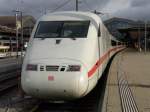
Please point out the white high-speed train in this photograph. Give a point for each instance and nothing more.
(66, 56)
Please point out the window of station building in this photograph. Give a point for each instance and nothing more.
(119, 43)
(6, 44)
(5, 38)
(13, 38)
(113, 43)
(13, 44)
(14, 49)
(2, 50)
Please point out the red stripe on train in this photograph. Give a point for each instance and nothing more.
(100, 61)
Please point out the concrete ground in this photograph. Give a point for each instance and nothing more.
(136, 69)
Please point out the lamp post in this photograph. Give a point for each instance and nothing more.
(145, 36)
(139, 40)
(21, 34)
(17, 39)
(77, 5)
(16, 14)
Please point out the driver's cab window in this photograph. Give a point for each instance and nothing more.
(99, 32)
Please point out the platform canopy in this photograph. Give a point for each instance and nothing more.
(136, 32)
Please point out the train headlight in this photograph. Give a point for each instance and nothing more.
(31, 67)
(73, 68)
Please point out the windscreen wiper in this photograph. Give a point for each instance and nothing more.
(42, 37)
(73, 37)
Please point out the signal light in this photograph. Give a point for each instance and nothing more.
(31, 67)
(74, 68)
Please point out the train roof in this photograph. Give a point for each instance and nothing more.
(72, 15)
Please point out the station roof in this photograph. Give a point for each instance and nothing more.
(114, 19)
(125, 30)
(135, 32)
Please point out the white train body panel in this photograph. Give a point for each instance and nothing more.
(86, 52)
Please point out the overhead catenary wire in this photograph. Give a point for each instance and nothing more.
(92, 9)
(87, 5)
(53, 10)
(60, 6)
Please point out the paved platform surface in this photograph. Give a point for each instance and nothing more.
(128, 84)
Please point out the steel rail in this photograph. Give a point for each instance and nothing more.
(8, 76)
(8, 85)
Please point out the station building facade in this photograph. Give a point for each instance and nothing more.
(8, 30)
(115, 23)
(137, 33)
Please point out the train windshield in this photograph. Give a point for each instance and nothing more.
(62, 29)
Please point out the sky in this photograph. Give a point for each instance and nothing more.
(130, 9)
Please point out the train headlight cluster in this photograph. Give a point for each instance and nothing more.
(32, 67)
(69, 68)
(73, 68)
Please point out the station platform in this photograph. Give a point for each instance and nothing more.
(128, 83)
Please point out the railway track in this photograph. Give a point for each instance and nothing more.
(86, 104)
(89, 103)
(18, 104)
(9, 79)
(11, 74)
(8, 85)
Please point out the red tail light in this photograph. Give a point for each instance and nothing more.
(31, 67)
(74, 68)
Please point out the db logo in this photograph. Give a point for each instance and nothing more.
(50, 78)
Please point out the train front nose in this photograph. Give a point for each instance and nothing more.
(56, 81)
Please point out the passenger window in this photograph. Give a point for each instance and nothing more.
(113, 43)
(99, 32)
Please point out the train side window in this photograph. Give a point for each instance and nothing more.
(113, 43)
(99, 32)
